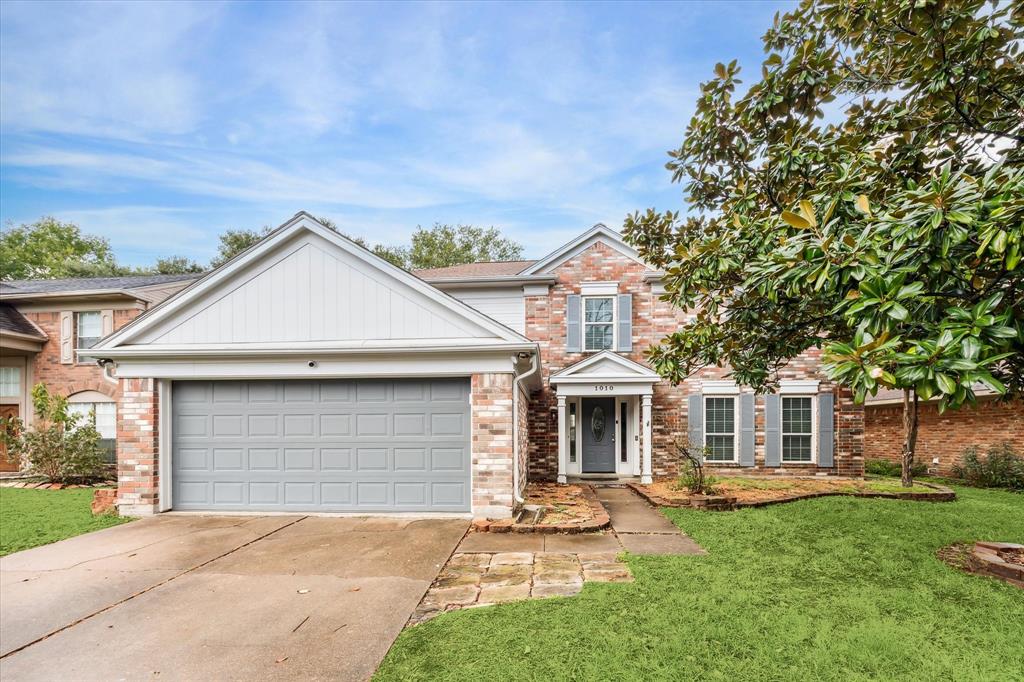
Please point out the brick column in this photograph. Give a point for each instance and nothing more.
(492, 445)
(138, 448)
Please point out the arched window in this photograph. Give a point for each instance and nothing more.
(101, 411)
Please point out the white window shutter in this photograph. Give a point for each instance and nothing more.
(107, 322)
(67, 337)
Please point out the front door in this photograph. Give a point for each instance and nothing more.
(7, 412)
(598, 435)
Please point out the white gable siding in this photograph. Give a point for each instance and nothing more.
(506, 304)
(312, 291)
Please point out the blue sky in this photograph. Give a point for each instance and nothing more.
(159, 125)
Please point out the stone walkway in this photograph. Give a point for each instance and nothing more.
(492, 568)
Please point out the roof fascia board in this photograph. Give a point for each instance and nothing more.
(229, 351)
(87, 293)
(509, 281)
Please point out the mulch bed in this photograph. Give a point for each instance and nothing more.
(734, 496)
(42, 485)
(568, 508)
(1000, 560)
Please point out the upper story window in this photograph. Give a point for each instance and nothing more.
(797, 429)
(720, 428)
(88, 329)
(598, 323)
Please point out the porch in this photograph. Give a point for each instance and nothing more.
(604, 419)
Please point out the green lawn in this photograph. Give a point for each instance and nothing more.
(833, 588)
(29, 518)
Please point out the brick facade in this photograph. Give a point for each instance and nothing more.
(652, 320)
(492, 415)
(943, 437)
(67, 379)
(138, 438)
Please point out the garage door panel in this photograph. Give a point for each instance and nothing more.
(336, 445)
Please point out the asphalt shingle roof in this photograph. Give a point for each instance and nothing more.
(46, 286)
(13, 321)
(484, 269)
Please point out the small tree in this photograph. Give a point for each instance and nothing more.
(445, 245)
(691, 468)
(57, 447)
(892, 236)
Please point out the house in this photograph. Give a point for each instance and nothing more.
(307, 374)
(942, 437)
(45, 325)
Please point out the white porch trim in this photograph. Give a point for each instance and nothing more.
(607, 375)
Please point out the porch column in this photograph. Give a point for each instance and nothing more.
(563, 439)
(645, 462)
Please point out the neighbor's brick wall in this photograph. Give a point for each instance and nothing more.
(492, 415)
(652, 320)
(138, 476)
(68, 379)
(943, 436)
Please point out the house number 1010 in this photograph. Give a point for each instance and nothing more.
(603, 387)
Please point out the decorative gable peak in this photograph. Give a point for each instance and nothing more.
(599, 233)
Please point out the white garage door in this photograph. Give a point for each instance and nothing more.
(331, 445)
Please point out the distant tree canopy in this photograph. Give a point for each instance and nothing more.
(50, 249)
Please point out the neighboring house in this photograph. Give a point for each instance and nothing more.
(941, 437)
(307, 374)
(44, 327)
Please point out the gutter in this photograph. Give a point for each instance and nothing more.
(516, 384)
(508, 281)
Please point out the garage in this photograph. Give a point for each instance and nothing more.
(325, 445)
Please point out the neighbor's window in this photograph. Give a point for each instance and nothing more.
(797, 429)
(88, 329)
(10, 381)
(572, 432)
(720, 429)
(102, 415)
(598, 322)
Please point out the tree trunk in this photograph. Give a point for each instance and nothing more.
(909, 435)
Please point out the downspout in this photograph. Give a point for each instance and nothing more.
(534, 366)
(107, 365)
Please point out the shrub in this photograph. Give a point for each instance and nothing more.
(1000, 467)
(884, 467)
(692, 476)
(56, 447)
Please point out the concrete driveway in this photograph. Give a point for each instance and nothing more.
(206, 597)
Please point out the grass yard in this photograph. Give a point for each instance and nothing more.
(833, 588)
(29, 518)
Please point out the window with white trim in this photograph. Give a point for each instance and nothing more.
(720, 428)
(10, 381)
(598, 323)
(797, 429)
(88, 329)
(102, 415)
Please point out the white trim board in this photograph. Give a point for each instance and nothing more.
(598, 233)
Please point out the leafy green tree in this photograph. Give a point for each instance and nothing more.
(444, 245)
(176, 265)
(890, 234)
(49, 249)
(234, 242)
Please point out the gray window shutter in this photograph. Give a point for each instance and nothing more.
(695, 420)
(772, 438)
(573, 325)
(747, 429)
(826, 431)
(67, 337)
(625, 340)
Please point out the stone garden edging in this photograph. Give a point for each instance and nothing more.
(986, 561)
(599, 522)
(939, 493)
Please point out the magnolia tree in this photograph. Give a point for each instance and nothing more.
(866, 195)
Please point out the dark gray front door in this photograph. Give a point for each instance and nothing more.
(329, 445)
(598, 435)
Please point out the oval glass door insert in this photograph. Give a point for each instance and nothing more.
(597, 424)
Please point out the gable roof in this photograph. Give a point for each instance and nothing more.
(167, 324)
(606, 366)
(598, 233)
(23, 288)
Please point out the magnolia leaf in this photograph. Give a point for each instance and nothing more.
(807, 211)
(720, 70)
(736, 220)
(863, 205)
(946, 384)
(795, 220)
